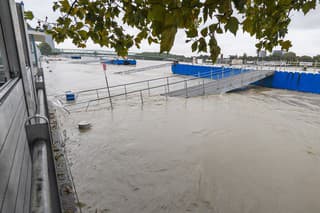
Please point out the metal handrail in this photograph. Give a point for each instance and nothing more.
(36, 116)
(143, 81)
(211, 75)
(149, 88)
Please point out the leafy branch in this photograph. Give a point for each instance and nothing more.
(158, 21)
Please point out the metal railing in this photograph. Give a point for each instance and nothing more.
(162, 85)
(144, 68)
(44, 191)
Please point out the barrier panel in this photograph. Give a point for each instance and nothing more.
(121, 62)
(206, 71)
(297, 81)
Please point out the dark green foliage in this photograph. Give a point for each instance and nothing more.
(316, 58)
(45, 48)
(158, 21)
(306, 58)
(289, 57)
(28, 15)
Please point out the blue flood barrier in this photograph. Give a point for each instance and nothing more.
(296, 81)
(214, 72)
(121, 62)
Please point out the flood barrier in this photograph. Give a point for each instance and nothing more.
(121, 62)
(296, 81)
(212, 72)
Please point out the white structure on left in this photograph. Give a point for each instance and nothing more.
(42, 36)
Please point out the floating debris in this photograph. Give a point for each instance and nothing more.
(84, 125)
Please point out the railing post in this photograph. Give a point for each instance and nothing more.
(203, 89)
(148, 87)
(218, 82)
(165, 91)
(97, 93)
(141, 97)
(168, 84)
(125, 90)
(186, 87)
(87, 106)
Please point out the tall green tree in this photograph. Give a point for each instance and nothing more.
(45, 48)
(157, 21)
(316, 58)
(289, 56)
(306, 58)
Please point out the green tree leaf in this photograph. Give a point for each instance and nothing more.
(232, 25)
(45, 48)
(28, 15)
(101, 21)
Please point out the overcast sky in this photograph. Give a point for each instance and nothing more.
(304, 32)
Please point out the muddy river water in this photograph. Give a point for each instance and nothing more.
(251, 151)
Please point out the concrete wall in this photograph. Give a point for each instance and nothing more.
(15, 159)
(303, 82)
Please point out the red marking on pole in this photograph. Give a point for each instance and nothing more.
(104, 66)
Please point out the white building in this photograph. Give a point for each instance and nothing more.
(262, 54)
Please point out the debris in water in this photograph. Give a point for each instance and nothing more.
(84, 125)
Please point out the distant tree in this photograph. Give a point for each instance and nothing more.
(244, 56)
(289, 56)
(233, 57)
(45, 48)
(277, 53)
(316, 58)
(252, 58)
(306, 58)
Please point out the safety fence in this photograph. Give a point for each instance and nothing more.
(87, 99)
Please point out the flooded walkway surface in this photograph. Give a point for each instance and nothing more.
(255, 151)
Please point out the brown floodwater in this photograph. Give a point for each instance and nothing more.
(255, 150)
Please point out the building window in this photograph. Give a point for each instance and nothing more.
(4, 71)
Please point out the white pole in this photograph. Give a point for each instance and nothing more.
(106, 78)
